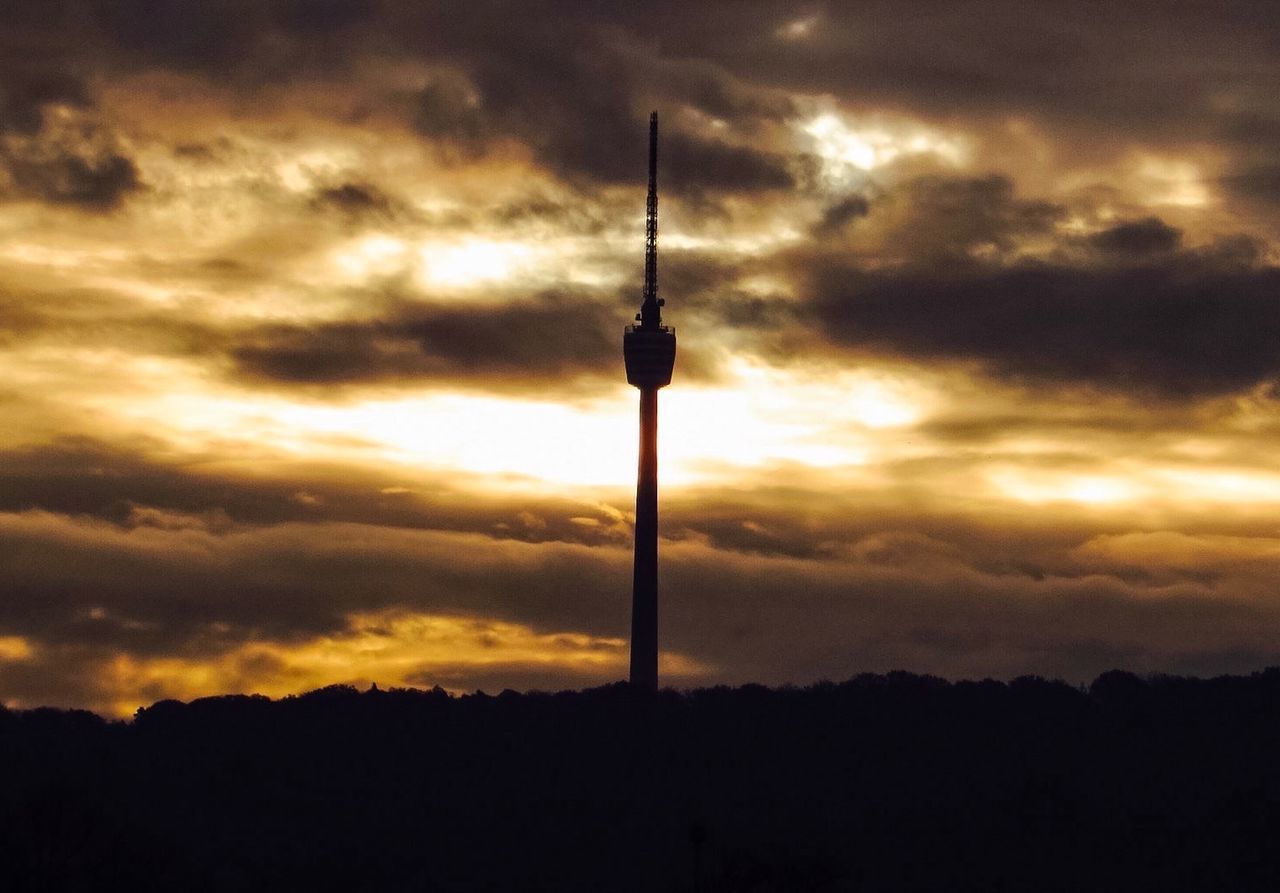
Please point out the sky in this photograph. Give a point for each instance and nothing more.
(310, 341)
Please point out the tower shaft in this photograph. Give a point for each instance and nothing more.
(644, 580)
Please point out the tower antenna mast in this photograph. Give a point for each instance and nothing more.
(651, 307)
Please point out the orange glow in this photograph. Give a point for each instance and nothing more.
(14, 648)
(1172, 182)
(1042, 487)
(762, 416)
(394, 649)
(474, 262)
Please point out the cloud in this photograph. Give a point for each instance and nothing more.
(1150, 235)
(136, 483)
(94, 181)
(356, 200)
(128, 579)
(726, 61)
(578, 94)
(520, 343)
(1098, 86)
(53, 147)
(29, 89)
(150, 588)
(1259, 183)
(448, 110)
(159, 603)
(836, 216)
(1191, 324)
(936, 218)
(587, 128)
(573, 84)
(251, 42)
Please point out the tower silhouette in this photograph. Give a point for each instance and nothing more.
(649, 348)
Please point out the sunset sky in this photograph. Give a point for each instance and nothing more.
(311, 317)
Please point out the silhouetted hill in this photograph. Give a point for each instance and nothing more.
(895, 782)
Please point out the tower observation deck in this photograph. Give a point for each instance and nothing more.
(649, 349)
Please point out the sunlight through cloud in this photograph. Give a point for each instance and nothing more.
(473, 262)
(849, 150)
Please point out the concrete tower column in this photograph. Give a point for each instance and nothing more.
(649, 349)
(644, 589)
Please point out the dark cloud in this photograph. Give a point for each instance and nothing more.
(515, 346)
(578, 93)
(836, 216)
(982, 428)
(1190, 325)
(186, 33)
(27, 90)
(585, 218)
(574, 83)
(82, 316)
(522, 343)
(96, 182)
(1184, 72)
(691, 165)
(1260, 183)
(357, 200)
(324, 16)
(448, 111)
(1138, 238)
(241, 40)
(83, 476)
(1161, 76)
(937, 217)
(598, 138)
(77, 498)
(174, 582)
(52, 145)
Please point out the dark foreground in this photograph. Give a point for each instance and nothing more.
(880, 783)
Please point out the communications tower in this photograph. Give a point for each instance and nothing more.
(649, 348)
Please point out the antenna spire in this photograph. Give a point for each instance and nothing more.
(650, 309)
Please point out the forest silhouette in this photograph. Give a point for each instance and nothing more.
(897, 782)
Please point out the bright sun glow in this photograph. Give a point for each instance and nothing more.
(371, 255)
(758, 416)
(1176, 486)
(450, 265)
(1044, 487)
(1221, 486)
(761, 416)
(844, 146)
(473, 262)
(1167, 181)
